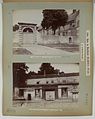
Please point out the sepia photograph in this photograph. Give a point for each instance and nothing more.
(46, 32)
(47, 58)
(45, 85)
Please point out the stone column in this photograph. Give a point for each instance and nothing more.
(59, 93)
(16, 92)
(41, 93)
(20, 35)
(35, 35)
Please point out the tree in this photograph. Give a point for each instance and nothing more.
(54, 18)
(46, 68)
(62, 17)
(30, 74)
(19, 74)
(46, 23)
(15, 27)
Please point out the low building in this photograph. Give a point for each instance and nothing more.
(49, 88)
(71, 29)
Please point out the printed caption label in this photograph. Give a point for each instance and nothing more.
(87, 53)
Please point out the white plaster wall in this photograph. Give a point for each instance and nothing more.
(69, 94)
(15, 37)
(50, 95)
(41, 93)
(55, 79)
(59, 93)
(29, 38)
(29, 92)
(39, 38)
(16, 90)
(75, 96)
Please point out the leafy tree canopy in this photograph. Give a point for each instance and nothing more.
(47, 69)
(19, 74)
(54, 19)
(15, 27)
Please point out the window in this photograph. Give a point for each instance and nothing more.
(70, 24)
(37, 93)
(21, 92)
(75, 87)
(73, 25)
(64, 92)
(38, 82)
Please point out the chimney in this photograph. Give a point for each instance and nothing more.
(74, 10)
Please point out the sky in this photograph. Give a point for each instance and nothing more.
(67, 68)
(29, 16)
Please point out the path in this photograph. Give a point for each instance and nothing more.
(43, 50)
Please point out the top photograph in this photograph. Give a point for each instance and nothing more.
(46, 32)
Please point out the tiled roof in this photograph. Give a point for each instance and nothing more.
(56, 80)
(73, 16)
(20, 23)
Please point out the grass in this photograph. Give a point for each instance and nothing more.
(21, 51)
(64, 46)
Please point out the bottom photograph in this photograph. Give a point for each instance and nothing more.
(45, 85)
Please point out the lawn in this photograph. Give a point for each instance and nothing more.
(64, 46)
(21, 51)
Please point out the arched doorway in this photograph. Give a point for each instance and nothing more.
(28, 36)
(70, 39)
(29, 96)
(27, 33)
(29, 30)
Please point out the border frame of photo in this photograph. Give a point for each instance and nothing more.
(7, 68)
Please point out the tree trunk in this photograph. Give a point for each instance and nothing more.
(63, 33)
(54, 32)
(59, 31)
(43, 31)
(47, 31)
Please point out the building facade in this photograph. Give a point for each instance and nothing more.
(29, 33)
(49, 89)
(67, 34)
(26, 34)
(71, 29)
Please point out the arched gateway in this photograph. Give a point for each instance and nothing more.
(27, 33)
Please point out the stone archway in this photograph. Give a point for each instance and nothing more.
(29, 96)
(27, 33)
(28, 29)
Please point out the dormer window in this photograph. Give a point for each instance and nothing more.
(64, 81)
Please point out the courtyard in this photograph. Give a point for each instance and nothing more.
(59, 103)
